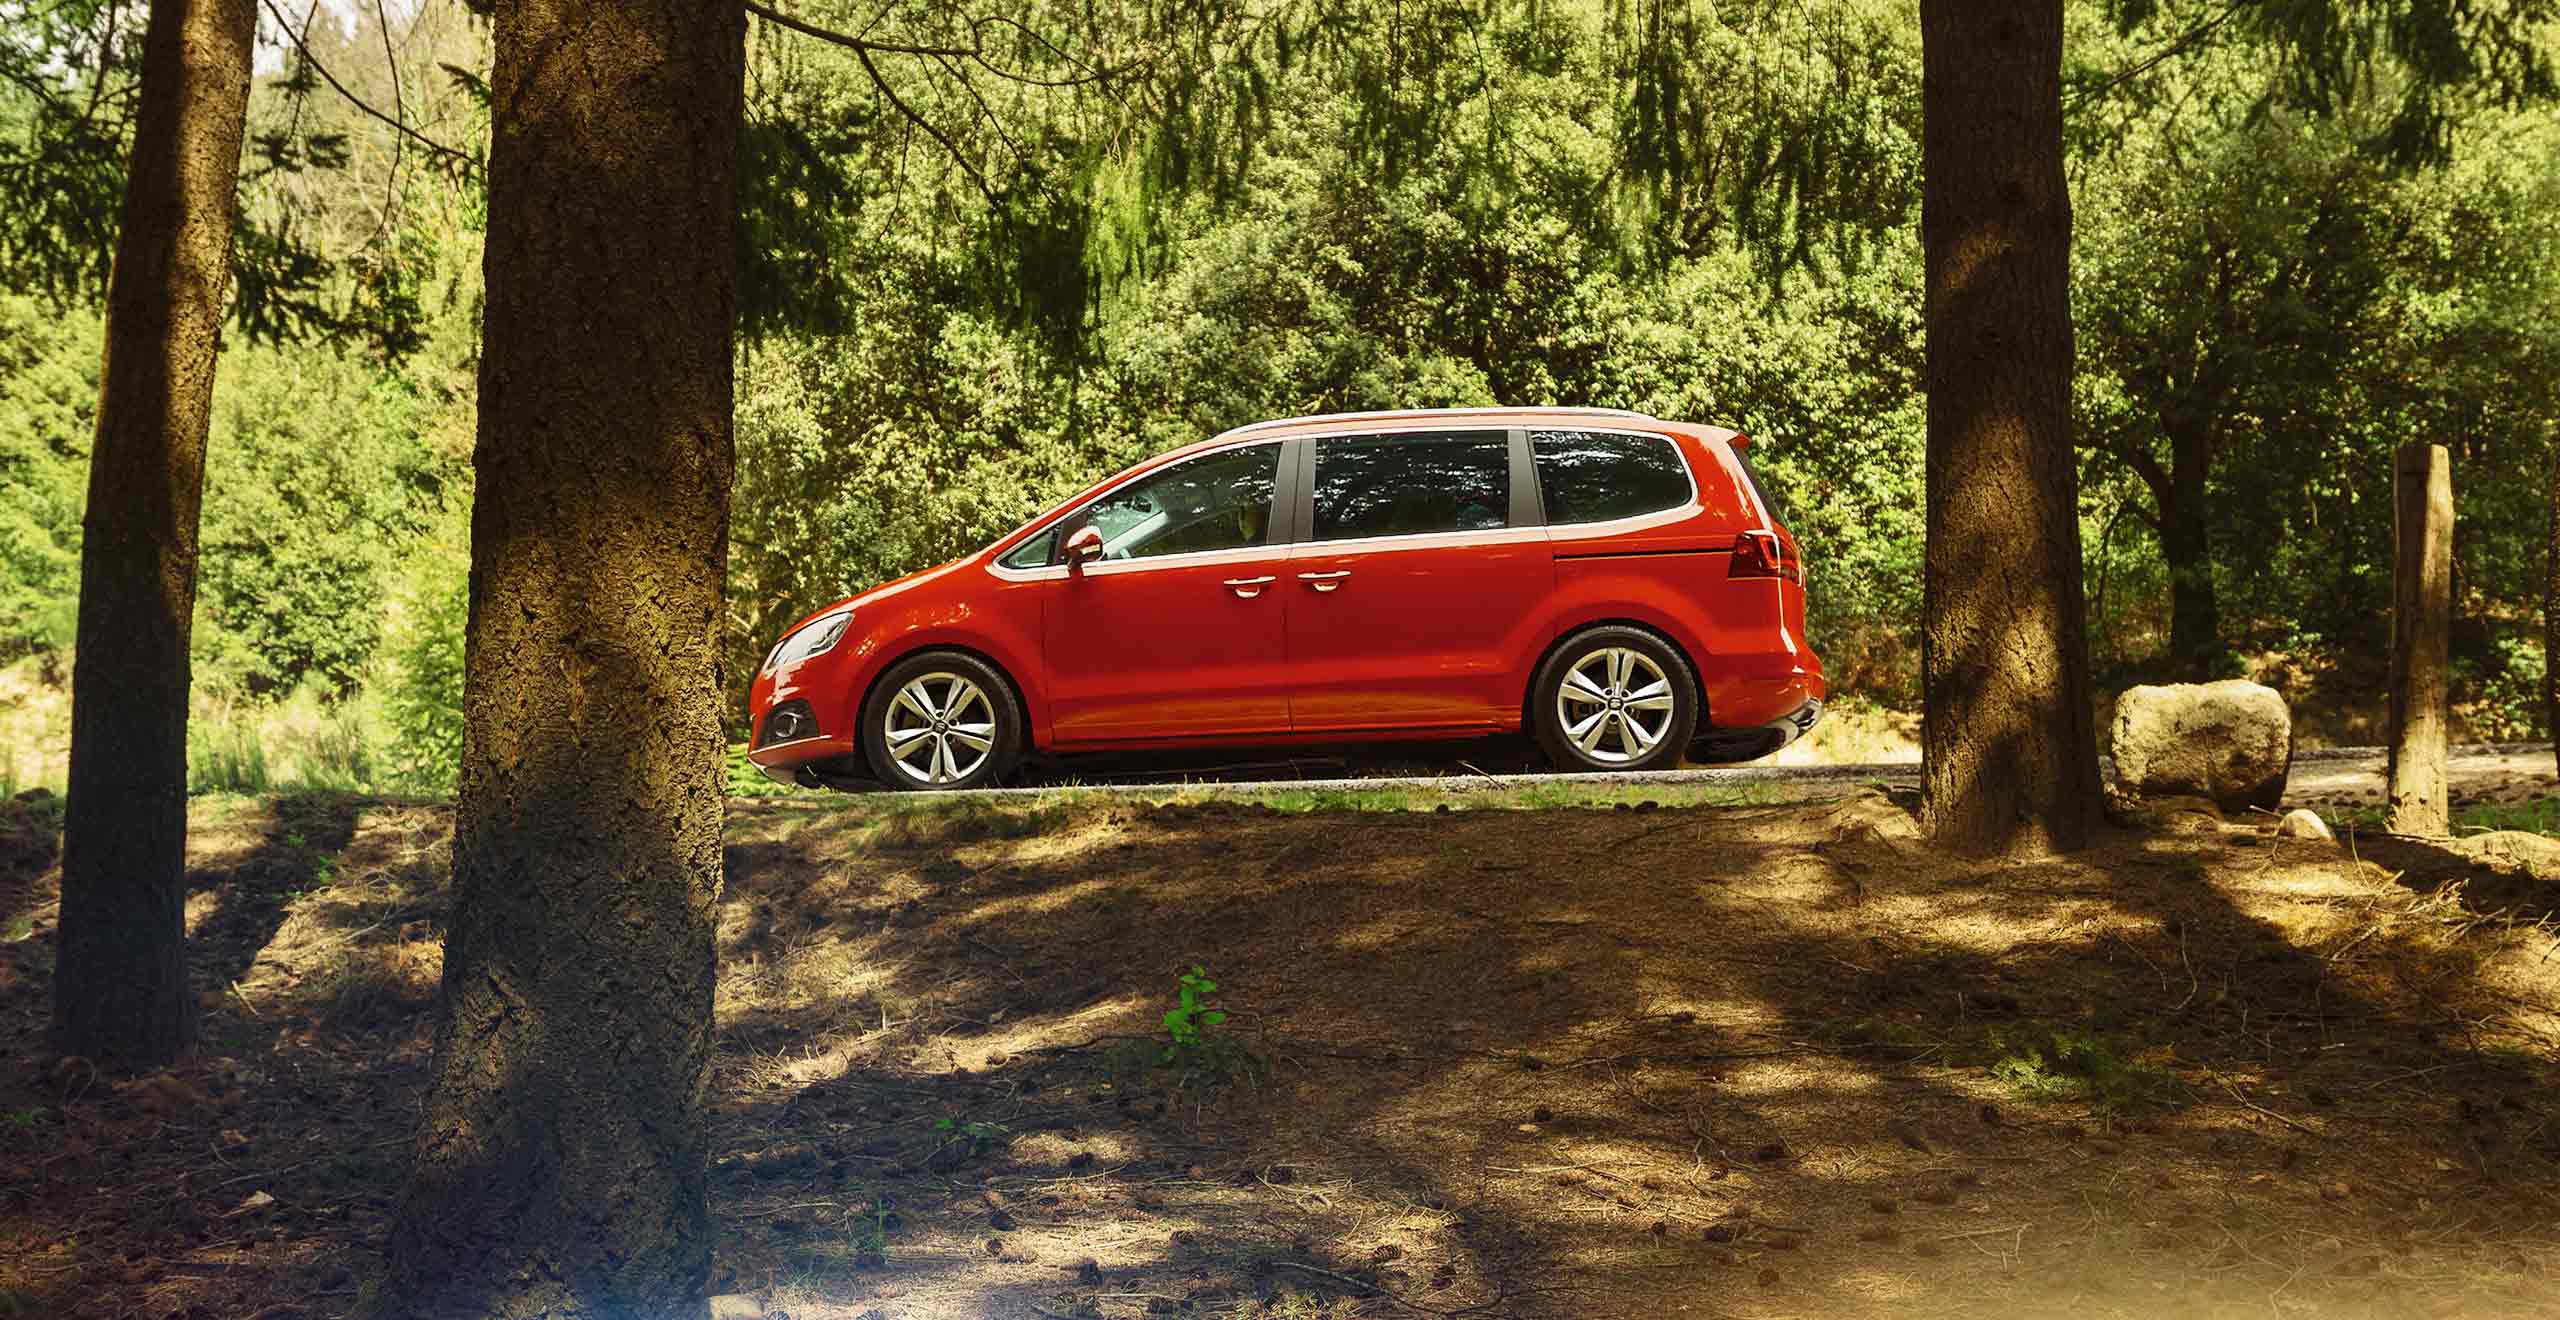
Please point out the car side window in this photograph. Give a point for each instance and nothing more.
(1218, 501)
(1595, 476)
(1402, 485)
(1038, 552)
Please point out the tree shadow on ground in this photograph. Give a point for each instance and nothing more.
(296, 854)
(1753, 1061)
(1613, 1057)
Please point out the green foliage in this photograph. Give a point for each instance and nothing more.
(1188, 1024)
(423, 686)
(48, 410)
(2059, 1063)
(968, 1139)
(225, 754)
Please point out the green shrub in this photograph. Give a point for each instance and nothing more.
(2059, 1063)
(422, 688)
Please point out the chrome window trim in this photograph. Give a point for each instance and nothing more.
(1633, 521)
(1418, 541)
(1301, 449)
(1277, 542)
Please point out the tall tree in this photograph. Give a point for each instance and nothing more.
(559, 1160)
(2008, 748)
(120, 988)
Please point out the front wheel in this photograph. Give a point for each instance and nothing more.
(941, 720)
(1615, 698)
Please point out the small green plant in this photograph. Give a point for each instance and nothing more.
(2057, 1063)
(1194, 1049)
(871, 1238)
(977, 1138)
(1190, 1021)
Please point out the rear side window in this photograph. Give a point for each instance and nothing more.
(1595, 476)
(1742, 459)
(1404, 485)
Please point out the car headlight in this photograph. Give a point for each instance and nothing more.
(816, 637)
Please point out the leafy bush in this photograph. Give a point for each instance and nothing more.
(48, 410)
(422, 683)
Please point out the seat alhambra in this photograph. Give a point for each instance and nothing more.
(1614, 584)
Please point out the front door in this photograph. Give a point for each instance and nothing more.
(1416, 594)
(1175, 632)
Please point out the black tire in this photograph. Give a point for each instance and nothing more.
(1620, 743)
(979, 687)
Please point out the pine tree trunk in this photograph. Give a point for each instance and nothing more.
(2010, 760)
(2195, 615)
(2421, 631)
(120, 985)
(559, 1160)
(2551, 618)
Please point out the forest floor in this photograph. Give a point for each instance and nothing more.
(1686, 1057)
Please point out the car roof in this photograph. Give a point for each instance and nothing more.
(1427, 418)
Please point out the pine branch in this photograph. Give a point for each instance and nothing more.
(462, 161)
(975, 52)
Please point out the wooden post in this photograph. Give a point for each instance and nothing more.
(2421, 623)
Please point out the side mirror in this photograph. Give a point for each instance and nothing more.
(1084, 547)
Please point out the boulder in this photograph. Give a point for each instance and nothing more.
(2230, 741)
(2304, 823)
(2537, 854)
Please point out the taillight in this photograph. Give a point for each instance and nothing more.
(1763, 555)
(1755, 555)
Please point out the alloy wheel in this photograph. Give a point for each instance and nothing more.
(939, 728)
(1615, 705)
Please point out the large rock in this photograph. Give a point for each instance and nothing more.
(2230, 741)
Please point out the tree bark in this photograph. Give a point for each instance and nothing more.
(2195, 614)
(120, 983)
(559, 1160)
(2551, 617)
(2421, 634)
(2009, 752)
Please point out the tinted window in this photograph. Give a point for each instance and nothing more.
(1758, 487)
(1401, 485)
(1594, 476)
(1219, 501)
(1032, 553)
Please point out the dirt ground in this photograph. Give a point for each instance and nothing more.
(1682, 1059)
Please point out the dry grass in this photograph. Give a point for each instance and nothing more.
(1760, 1060)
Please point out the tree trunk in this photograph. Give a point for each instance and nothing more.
(2551, 618)
(559, 1160)
(120, 985)
(2195, 616)
(2010, 758)
(2421, 633)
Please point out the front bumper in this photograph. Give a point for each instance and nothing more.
(1752, 743)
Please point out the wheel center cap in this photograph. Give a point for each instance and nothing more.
(1616, 704)
(942, 726)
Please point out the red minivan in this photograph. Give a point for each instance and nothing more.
(1614, 583)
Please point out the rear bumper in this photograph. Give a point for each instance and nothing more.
(1756, 741)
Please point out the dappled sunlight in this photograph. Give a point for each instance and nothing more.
(1762, 1061)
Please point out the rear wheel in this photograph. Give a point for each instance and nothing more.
(1615, 698)
(942, 720)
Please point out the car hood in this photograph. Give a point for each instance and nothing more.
(886, 590)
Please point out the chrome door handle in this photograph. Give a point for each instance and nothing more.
(1249, 588)
(1325, 581)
